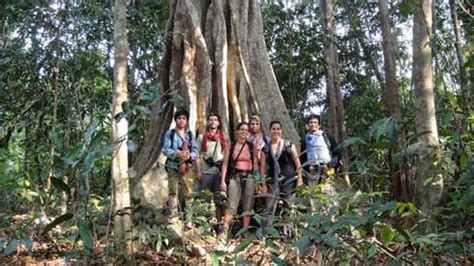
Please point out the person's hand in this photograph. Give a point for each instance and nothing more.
(263, 188)
(199, 176)
(185, 155)
(181, 155)
(324, 168)
(299, 181)
(256, 175)
(223, 187)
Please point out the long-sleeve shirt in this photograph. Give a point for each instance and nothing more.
(170, 147)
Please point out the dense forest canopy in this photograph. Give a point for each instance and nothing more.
(391, 79)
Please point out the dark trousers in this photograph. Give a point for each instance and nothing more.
(279, 191)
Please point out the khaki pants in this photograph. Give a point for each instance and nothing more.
(241, 188)
(180, 186)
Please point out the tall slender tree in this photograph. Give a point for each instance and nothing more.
(392, 102)
(465, 92)
(429, 185)
(121, 192)
(333, 79)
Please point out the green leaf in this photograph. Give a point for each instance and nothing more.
(57, 221)
(353, 141)
(71, 157)
(3, 240)
(244, 244)
(88, 162)
(86, 234)
(272, 231)
(463, 160)
(469, 63)
(215, 255)
(54, 138)
(90, 131)
(278, 261)
(405, 8)
(159, 243)
(59, 184)
(243, 230)
(372, 251)
(28, 244)
(11, 247)
(403, 233)
(387, 234)
(303, 243)
(396, 262)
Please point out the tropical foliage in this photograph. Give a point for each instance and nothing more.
(56, 78)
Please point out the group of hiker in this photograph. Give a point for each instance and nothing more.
(250, 165)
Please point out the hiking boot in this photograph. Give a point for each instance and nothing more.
(224, 233)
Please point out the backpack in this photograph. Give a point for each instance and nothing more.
(172, 133)
(333, 152)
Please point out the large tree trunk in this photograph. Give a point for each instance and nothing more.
(401, 186)
(216, 60)
(429, 185)
(121, 192)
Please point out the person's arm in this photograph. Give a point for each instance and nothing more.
(194, 148)
(168, 151)
(199, 159)
(296, 160)
(262, 168)
(225, 163)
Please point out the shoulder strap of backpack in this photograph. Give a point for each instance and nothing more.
(288, 145)
(328, 142)
(172, 132)
(190, 136)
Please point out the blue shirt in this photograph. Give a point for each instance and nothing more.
(170, 150)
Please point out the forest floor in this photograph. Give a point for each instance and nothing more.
(23, 243)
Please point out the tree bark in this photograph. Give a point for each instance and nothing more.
(333, 79)
(121, 192)
(337, 127)
(216, 60)
(429, 185)
(465, 92)
(401, 188)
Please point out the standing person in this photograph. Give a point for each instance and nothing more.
(214, 146)
(319, 154)
(181, 150)
(259, 140)
(237, 167)
(283, 166)
(261, 148)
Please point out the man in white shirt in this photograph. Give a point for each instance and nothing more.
(213, 146)
(319, 154)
